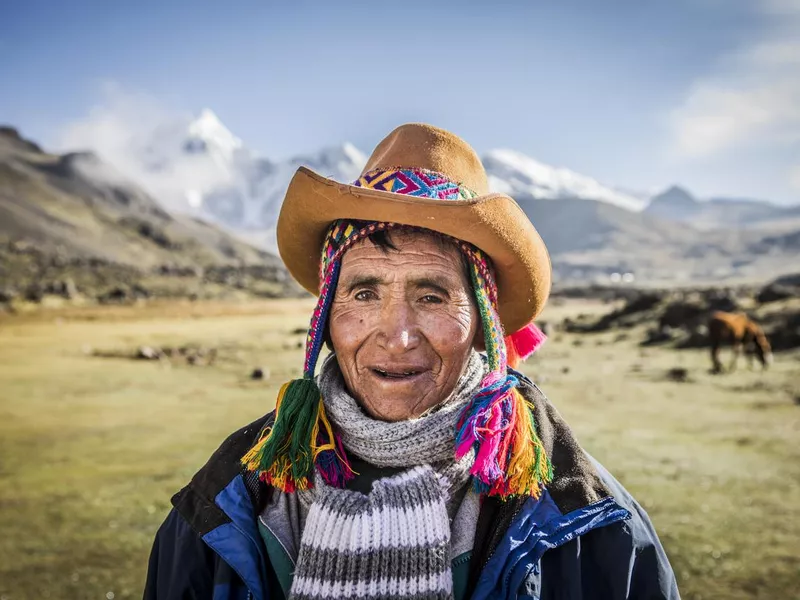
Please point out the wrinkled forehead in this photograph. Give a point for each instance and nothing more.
(410, 253)
(345, 234)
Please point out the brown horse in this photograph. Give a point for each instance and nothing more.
(738, 330)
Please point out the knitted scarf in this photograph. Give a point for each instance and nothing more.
(424, 440)
(395, 541)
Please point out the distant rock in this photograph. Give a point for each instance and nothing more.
(114, 295)
(775, 292)
(658, 335)
(148, 353)
(34, 292)
(683, 314)
(640, 308)
(678, 374)
(259, 374)
(782, 288)
(65, 288)
(792, 280)
(8, 295)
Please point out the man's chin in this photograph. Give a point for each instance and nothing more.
(396, 404)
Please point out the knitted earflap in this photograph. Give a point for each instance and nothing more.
(498, 422)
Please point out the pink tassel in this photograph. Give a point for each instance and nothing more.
(485, 466)
(523, 343)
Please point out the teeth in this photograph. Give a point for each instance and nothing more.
(387, 374)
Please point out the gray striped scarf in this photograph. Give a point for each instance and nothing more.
(394, 542)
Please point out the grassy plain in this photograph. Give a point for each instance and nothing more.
(92, 448)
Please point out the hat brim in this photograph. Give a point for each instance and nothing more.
(493, 222)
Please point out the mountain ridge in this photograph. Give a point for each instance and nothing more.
(601, 227)
(679, 205)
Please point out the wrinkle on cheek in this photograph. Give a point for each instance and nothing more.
(458, 319)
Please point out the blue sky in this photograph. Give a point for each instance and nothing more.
(705, 93)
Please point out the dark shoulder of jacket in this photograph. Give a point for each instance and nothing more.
(181, 564)
(196, 501)
(621, 560)
(179, 561)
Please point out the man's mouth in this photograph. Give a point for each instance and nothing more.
(396, 373)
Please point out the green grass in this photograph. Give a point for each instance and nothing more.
(91, 448)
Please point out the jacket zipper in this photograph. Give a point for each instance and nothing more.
(500, 530)
(462, 559)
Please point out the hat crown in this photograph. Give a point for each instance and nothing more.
(421, 146)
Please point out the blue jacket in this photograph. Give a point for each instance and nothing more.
(585, 538)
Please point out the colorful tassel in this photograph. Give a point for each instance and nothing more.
(300, 439)
(283, 457)
(523, 343)
(510, 458)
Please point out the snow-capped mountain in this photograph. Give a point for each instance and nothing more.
(208, 134)
(251, 203)
(517, 175)
(247, 190)
(200, 167)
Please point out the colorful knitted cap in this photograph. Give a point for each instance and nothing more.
(497, 423)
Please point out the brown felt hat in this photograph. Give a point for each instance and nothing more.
(492, 222)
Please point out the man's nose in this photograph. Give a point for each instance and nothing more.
(399, 330)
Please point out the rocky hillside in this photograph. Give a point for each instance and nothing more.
(71, 225)
(592, 241)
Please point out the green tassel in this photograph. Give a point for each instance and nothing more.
(284, 456)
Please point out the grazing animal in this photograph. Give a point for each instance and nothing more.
(740, 331)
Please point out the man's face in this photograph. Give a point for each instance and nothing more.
(402, 324)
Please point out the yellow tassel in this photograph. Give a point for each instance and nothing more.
(322, 418)
(251, 459)
(529, 468)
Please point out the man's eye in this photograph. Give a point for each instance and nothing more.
(365, 295)
(431, 299)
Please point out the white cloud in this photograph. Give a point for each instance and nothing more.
(794, 177)
(772, 54)
(142, 139)
(781, 7)
(754, 101)
(717, 117)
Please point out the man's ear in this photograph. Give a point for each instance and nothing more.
(479, 342)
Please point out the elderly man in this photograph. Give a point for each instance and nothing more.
(417, 463)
